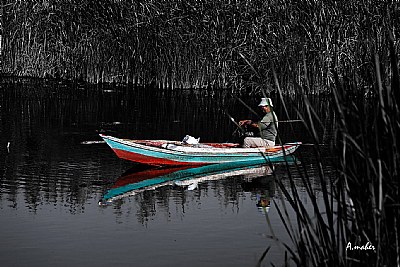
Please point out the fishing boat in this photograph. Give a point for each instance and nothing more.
(133, 183)
(175, 153)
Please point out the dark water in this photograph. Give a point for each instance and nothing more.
(51, 183)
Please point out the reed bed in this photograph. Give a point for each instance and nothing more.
(354, 221)
(195, 43)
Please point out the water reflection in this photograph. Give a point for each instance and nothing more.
(136, 181)
(263, 189)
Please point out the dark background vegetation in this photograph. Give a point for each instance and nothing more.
(198, 43)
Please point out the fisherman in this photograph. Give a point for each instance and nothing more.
(265, 129)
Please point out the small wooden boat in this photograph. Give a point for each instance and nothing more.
(173, 153)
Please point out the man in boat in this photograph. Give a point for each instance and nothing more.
(265, 129)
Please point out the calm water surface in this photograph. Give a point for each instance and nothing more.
(51, 183)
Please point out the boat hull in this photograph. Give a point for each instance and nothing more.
(180, 155)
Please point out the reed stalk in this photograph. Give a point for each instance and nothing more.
(192, 43)
(359, 206)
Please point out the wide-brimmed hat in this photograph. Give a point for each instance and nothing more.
(265, 102)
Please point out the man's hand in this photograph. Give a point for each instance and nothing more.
(245, 122)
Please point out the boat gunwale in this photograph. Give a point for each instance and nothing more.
(212, 151)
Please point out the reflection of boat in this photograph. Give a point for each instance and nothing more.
(247, 173)
(152, 178)
(163, 152)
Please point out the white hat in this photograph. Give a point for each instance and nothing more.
(265, 102)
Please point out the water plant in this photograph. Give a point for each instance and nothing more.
(355, 222)
(195, 43)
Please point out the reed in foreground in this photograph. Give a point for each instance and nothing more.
(358, 222)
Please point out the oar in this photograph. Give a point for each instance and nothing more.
(252, 110)
(309, 144)
(290, 121)
(237, 124)
(239, 127)
(92, 142)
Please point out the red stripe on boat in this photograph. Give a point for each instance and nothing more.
(152, 160)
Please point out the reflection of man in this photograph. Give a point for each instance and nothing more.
(267, 127)
(263, 201)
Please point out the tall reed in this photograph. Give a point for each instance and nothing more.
(195, 43)
(356, 221)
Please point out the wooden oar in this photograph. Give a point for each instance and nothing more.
(92, 142)
(252, 110)
(290, 121)
(237, 124)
